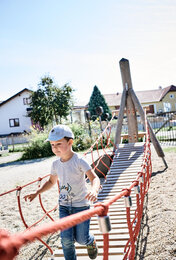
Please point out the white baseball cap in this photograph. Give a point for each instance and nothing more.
(58, 132)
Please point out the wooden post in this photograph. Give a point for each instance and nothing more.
(13, 147)
(153, 138)
(130, 108)
(120, 119)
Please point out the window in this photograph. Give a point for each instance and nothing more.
(171, 95)
(14, 122)
(26, 101)
(167, 107)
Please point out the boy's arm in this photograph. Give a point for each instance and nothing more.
(46, 186)
(95, 183)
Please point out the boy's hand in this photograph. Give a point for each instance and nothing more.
(92, 195)
(31, 196)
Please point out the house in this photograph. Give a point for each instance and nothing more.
(78, 113)
(157, 100)
(13, 114)
(14, 110)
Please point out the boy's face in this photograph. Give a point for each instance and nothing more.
(61, 147)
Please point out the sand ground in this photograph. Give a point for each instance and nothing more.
(157, 239)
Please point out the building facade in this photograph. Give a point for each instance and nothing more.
(14, 114)
(156, 101)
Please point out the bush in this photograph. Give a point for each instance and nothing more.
(82, 140)
(37, 148)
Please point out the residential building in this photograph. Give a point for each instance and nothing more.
(78, 112)
(14, 110)
(157, 100)
(14, 114)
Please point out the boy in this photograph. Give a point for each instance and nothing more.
(74, 197)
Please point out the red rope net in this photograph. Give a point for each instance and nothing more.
(10, 244)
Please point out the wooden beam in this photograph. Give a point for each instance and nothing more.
(140, 135)
(120, 119)
(154, 140)
(131, 113)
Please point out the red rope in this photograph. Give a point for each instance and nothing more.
(10, 244)
(41, 204)
(105, 246)
(96, 166)
(101, 158)
(24, 222)
(2, 194)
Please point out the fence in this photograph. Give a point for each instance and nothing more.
(164, 126)
(14, 139)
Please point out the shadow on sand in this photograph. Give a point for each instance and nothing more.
(21, 162)
(41, 250)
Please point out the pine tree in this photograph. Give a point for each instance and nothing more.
(96, 100)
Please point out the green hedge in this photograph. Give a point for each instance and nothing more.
(38, 148)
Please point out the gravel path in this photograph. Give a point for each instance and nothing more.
(157, 239)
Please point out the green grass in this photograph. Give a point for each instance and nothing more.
(18, 147)
(170, 149)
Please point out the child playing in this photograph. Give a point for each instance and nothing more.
(74, 197)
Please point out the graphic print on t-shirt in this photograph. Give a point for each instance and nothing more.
(65, 193)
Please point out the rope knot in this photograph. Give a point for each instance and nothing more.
(136, 182)
(19, 188)
(3, 234)
(8, 249)
(140, 174)
(18, 191)
(105, 208)
(128, 192)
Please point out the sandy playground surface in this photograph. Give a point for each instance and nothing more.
(158, 233)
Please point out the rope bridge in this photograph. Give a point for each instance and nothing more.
(128, 179)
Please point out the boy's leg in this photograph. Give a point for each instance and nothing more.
(83, 236)
(67, 237)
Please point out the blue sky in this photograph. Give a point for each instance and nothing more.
(81, 42)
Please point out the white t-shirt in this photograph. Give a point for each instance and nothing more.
(72, 182)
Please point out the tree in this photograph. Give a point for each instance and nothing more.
(50, 102)
(96, 100)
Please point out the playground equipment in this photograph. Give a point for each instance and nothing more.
(128, 179)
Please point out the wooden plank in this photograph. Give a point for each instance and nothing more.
(120, 176)
(99, 257)
(122, 173)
